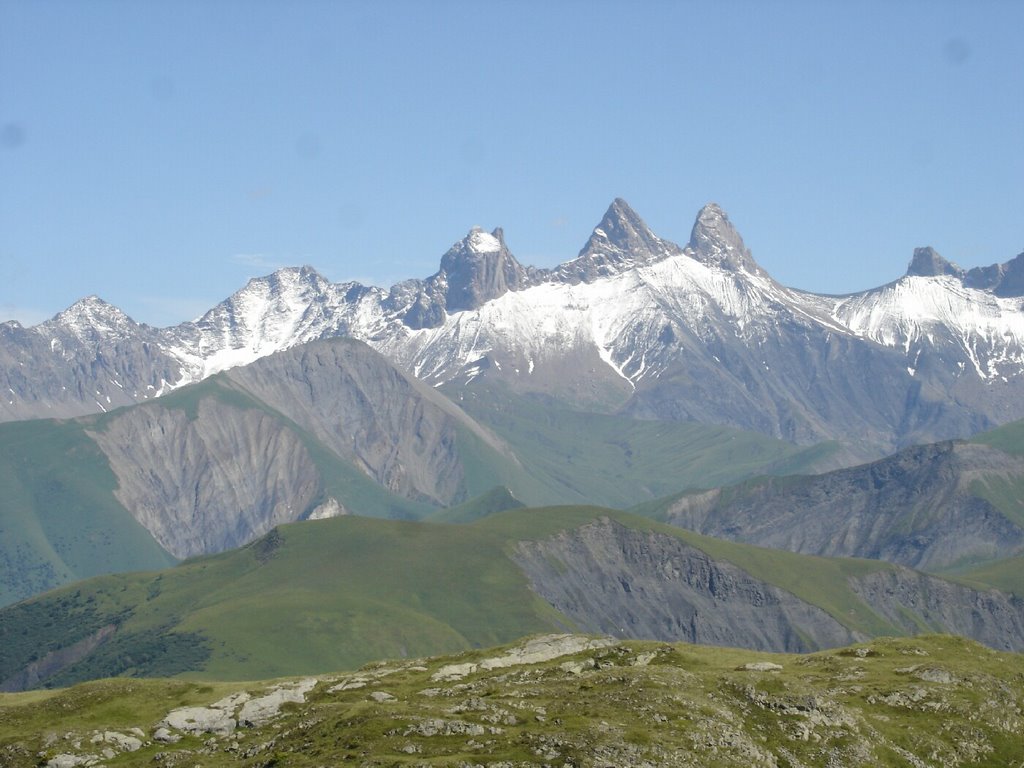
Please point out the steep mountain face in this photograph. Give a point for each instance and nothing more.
(395, 429)
(207, 476)
(621, 242)
(610, 579)
(206, 484)
(89, 358)
(909, 599)
(926, 507)
(634, 323)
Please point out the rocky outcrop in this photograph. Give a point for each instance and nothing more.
(916, 602)
(621, 241)
(919, 508)
(641, 584)
(935, 701)
(1004, 280)
(533, 651)
(714, 241)
(212, 482)
(928, 263)
(629, 583)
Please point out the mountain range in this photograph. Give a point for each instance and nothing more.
(322, 429)
(800, 471)
(634, 324)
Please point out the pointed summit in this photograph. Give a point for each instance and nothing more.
(479, 268)
(621, 233)
(715, 241)
(93, 318)
(620, 242)
(928, 263)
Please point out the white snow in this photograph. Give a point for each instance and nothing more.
(619, 319)
(482, 242)
(915, 311)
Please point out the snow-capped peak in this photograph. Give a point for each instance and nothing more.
(620, 242)
(90, 318)
(479, 241)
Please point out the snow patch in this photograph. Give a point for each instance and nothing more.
(482, 242)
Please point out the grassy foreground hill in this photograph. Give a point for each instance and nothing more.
(334, 594)
(556, 700)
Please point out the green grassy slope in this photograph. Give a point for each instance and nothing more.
(1004, 493)
(336, 593)
(59, 520)
(498, 499)
(575, 457)
(890, 703)
(1008, 438)
(1006, 575)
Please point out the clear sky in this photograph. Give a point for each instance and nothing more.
(158, 154)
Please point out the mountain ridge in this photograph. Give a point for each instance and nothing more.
(633, 323)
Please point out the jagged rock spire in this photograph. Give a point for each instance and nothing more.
(479, 268)
(928, 263)
(715, 241)
(621, 241)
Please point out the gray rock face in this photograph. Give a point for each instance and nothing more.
(907, 599)
(928, 263)
(475, 270)
(210, 483)
(226, 474)
(917, 508)
(1002, 279)
(89, 358)
(798, 382)
(715, 241)
(480, 268)
(394, 428)
(627, 583)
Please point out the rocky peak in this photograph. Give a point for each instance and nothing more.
(479, 268)
(621, 241)
(292, 278)
(1002, 279)
(714, 241)
(91, 318)
(928, 263)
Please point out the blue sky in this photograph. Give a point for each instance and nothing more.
(159, 154)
